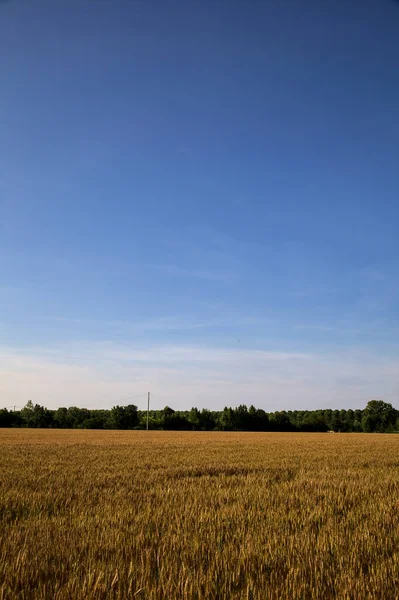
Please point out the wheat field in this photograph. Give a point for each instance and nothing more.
(201, 515)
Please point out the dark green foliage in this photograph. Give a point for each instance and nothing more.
(34, 415)
(378, 417)
(279, 421)
(10, 419)
(123, 417)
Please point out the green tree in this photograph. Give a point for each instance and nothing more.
(94, 422)
(194, 418)
(336, 422)
(34, 415)
(5, 418)
(207, 419)
(123, 417)
(241, 418)
(368, 424)
(262, 420)
(379, 416)
(226, 419)
(279, 421)
(61, 418)
(357, 426)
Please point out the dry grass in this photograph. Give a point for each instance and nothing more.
(159, 515)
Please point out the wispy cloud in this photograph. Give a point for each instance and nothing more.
(374, 329)
(163, 324)
(96, 374)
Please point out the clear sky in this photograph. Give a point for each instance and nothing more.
(201, 199)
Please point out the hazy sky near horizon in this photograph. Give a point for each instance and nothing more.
(200, 199)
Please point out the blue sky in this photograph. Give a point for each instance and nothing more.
(199, 199)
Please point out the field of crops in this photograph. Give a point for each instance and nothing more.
(165, 515)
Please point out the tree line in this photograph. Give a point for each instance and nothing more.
(377, 417)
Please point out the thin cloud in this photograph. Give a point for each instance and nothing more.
(96, 373)
(163, 324)
(368, 330)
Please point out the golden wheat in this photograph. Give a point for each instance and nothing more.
(167, 515)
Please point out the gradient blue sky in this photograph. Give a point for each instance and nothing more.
(201, 199)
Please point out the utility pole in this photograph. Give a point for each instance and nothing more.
(148, 408)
